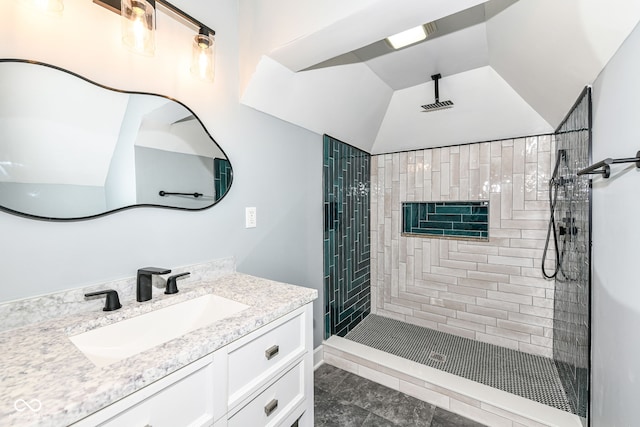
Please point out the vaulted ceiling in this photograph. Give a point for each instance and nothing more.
(510, 67)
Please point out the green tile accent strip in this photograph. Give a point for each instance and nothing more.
(222, 176)
(454, 219)
(347, 278)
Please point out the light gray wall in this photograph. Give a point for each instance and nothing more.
(616, 236)
(277, 168)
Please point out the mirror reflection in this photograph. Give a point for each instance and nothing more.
(73, 149)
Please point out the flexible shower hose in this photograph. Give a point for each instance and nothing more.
(553, 199)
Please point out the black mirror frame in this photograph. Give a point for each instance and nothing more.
(144, 205)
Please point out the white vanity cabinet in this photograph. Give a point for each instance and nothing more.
(264, 378)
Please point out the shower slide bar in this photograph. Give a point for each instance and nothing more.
(603, 167)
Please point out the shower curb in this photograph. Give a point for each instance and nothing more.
(468, 398)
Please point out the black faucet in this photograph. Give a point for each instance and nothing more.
(111, 303)
(143, 282)
(172, 285)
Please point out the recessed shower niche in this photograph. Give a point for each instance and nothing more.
(73, 149)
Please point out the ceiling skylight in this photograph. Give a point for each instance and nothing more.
(407, 37)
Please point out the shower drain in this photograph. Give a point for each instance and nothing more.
(437, 357)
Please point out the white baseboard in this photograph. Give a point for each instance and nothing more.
(318, 357)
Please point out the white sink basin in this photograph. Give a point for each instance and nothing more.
(126, 338)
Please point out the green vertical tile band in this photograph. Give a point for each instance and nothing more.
(222, 176)
(347, 278)
(456, 219)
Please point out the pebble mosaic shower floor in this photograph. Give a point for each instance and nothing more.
(523, 374)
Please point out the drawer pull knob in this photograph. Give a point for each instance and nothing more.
(271, 406)
(271, 352)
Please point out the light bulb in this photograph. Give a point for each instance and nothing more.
(138, 26)
(202, 56)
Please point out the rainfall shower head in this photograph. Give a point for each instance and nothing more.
(437, 105)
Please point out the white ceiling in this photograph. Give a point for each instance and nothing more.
(511, 67)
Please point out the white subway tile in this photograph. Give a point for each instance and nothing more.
(520, 327)
(518, 191)
(415, 299)
(466, 265)
(537, 311)
(446, 303)
(509, 297)
(476, 318)
(464, 290)
(391, 314)
(421, 322)
(489, 312)
(506, 333)
(379, 377)
(463, 324)
(498, 268)
(479, 415)
(495, 220)
(506, 201)
(494, 339)
(509, 260)
(445, 178)
(499, 305)
(435, 310)
(439, 278)
(438, 399)
(465, 333)
(471, 257)
(531, 320)
(489, 277)
(536, 349)
(518, 156)
(425, 291)
(458, 297)
(477, 283)
(527, 243)
(456, 272)
(474, 156)
(521, 290)
(510, 233)
(482, 248)
(432, 317)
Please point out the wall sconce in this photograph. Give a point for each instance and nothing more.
(139, 24)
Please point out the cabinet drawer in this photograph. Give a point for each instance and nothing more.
(253, 363)
(187, 402)
(271, 406)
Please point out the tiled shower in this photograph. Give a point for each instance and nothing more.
(457, 236)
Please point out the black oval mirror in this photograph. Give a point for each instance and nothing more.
(72, 149)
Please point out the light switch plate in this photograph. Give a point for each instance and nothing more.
(250, 217)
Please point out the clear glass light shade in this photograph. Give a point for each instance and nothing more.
(202, 57)
(138, 26)
(49, 6)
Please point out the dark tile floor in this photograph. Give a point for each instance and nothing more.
(343, 399)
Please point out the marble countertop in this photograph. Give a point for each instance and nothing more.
(46, 381)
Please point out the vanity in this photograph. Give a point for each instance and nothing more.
(226, 349)
(253, 367)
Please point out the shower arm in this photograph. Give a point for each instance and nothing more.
(603, 166)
